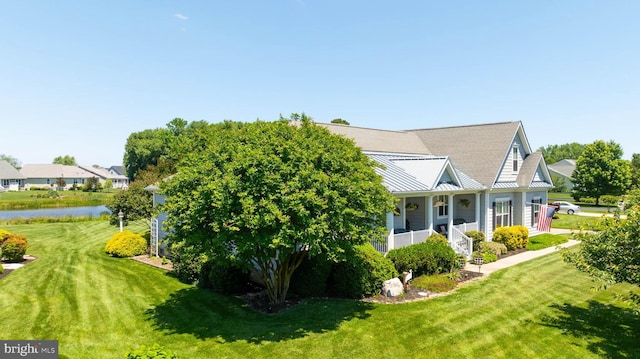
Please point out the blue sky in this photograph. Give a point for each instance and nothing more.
(78, 77)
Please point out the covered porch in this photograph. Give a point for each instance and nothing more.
(418, 217)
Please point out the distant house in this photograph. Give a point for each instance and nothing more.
(103, 174)
(564, 169)
(49, 175)
(10, 178)
(448, 180)
(118, 170)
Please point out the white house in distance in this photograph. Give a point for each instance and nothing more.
(448, 180)
(564, 169)
(10, 178)
(47, 175)
(103, 174)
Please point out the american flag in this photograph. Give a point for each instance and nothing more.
(545, 216)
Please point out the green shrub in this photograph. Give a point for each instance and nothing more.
(477, 237)
(426, 258)
(224, 275)
(437, 237)
(14, 247)
(187, 261)
(487, 257)
(513, 237)
(362, 274)
(153, 352)
(311, 277)
(437, 283)
(494, 247)
(126, 244)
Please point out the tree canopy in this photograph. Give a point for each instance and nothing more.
(135, 202)
(556, 153)
(613, 253)
(65, 160)
(271, 193)
(600, 170)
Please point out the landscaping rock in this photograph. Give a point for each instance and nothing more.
(392, 287)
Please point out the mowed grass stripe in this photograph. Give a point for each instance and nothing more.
(101, 307)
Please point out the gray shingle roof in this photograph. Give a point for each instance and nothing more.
(54, 171)
(369, 139)
(477, 150)
(530, 165)
(7, 171)
(564, 167)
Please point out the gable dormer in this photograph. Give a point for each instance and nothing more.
(514, 158)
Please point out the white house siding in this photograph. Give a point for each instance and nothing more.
(507, 174)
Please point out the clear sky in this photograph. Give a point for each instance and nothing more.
(78, 77)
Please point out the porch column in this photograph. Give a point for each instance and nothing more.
(523, 206)
(477, 219)
(450, 218)
(389, 221)
(429, 213)
(487, 215)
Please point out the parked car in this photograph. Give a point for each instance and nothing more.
(566, 207)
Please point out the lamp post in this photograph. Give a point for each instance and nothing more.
(120, 215)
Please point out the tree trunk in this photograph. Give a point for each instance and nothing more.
(276, 275)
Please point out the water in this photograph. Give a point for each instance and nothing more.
(93, 211)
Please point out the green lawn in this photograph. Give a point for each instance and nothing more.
(101, 307)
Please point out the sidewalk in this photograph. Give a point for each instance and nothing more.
(519, 258)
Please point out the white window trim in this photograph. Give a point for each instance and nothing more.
(444, 198)
(508, 213)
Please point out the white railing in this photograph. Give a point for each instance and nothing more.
(460, 243)
(465, 227)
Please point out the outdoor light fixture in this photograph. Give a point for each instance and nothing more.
(120, 215)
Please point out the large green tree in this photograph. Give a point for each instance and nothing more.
(612, 254)
(145, 148)
(556, 153)
(136, 203)
(272, 193)
(600, 170)
(635, 170)
(65, 160)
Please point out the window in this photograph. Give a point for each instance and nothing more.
(502, 213)
(535, 210)
(5, 182)
(515, 159)
(441, 202)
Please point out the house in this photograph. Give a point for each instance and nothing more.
(564, 170)
(117, 170)
(49, 176)
(454, 179)
(450, 180)
(10, 178)
(103, 174)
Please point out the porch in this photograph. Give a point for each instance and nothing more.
(417, 218)
(457, 240)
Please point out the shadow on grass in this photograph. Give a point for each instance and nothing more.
(611, 332)
(208, 315)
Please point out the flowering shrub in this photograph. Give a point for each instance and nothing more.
(513, 237)
(126, 244)
(14, 247)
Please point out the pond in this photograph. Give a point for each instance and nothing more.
(89, 211)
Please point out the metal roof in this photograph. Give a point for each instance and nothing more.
(408, 173)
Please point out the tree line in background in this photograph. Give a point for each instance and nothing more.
(600, 171)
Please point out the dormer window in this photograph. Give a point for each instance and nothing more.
(515, 159)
